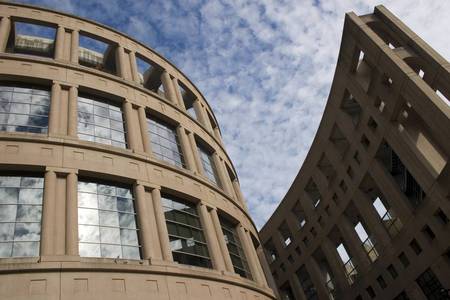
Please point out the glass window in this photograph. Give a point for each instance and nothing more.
(349, 267)
(367, 243)
(431, 286)
(165, 144)
(100, 121)
(208, 165)
(389, 219)
(24, 109)
(106, 221)
(20, 215)
(308, 287)
(186, 237)
(32, 39)
(235, 249)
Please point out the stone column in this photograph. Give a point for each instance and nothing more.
(72, 214)
(143, 219)
(195, 153)
(317, 278)
(75, 39)
(120, 62)
(201, 115)
(134, 69)
(297, 288)
(5, 28)
(186, 149)
(248, 250)
(168, 87)
(161, 225)
(211, 239)
(59, 43)
(178, 98)
(48, 213)
(220, 237)
(217, 134)
(144, 130)
(221, 173)
(128, 112)
(334, 261)
(53, 123)
(72, 119)
(239, 194)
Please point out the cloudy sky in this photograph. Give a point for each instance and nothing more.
(265, 67)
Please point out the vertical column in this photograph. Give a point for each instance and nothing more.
(74, 42)
(354, 244)
(128, 111)
(217, 134)
(72, 214)
(143, 218)
(239, 194)
(134, 69)
(48, 213)
(248, 250)
(266, 269)
(144, 130)
(178, 98)
(168, 87)
(59, 43)
(220, 237)
(297, 288)
(54, 108)
(120, 62)
(5, 28)
(161, 225)
(72, 118)
(195, 153)
(211, 239)
(201, 115)
(186, 148)
(337, 268)
(221, 173)
(317, 278)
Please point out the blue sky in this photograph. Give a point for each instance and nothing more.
(264, 66)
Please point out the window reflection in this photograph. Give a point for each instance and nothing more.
(106, 221)
(208, 165)
(24, 109)
(100, 121)
(20, 215)
(186, 237)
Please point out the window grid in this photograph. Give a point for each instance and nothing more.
(235, 249)
(165, 142)
(101, 121)
(186, 237)
(208, 165)
(431, 286)
(24, 109)
(106, 221)
(20, 215)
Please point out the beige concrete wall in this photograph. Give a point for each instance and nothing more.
(414, 122)
(59, 273)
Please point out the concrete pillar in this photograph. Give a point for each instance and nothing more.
(217, 134)
(75, 40)
(211, 238)
(224, 178)
(220, 237)
(161, 225)
(178, 98)
(237, 189)
(186, 149)
(128, 112)
(248, 250)
(59, 43)
(72, 214)
(144, 130)
(201, 115)
(354, 244)
(336, 266)
(168, 87)
(133, 67)
(296, 287)
(5, 28)
(195, 153)
(266, 269)
(48, 213)
(54, 113)
(143, 219)
(120, 62)
(72, 117)
(317, 278)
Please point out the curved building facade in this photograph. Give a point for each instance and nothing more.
(367, 216)
(114, 181)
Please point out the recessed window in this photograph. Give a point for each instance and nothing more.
(421, 73)
(235, 248)
(100, 121)
(356, 157)
(389, 219)
(404, 259)
(381, 282)
(285, 234)
(365, 141)
(313, 192)
(431, 286)
(402, 296)
(20, 215)
(441, 216)
(32, 39)
(24, 109)
(391, 269)
(428, 232)
(187, 240)
(306, 241)
(291, 259)
(97, 54)
(415, 247)
(165, 143)
(370, 292)
(298, 251)
(349, 267)
(372, 124)
(188, 100)
(149, 75)
(106, 221)
(343, 186)
(208, 165)
(367, 243)
(307, 285)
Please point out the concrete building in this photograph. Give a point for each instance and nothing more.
(367, 216)
(114, 181)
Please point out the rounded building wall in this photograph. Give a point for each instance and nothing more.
(114, 181)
